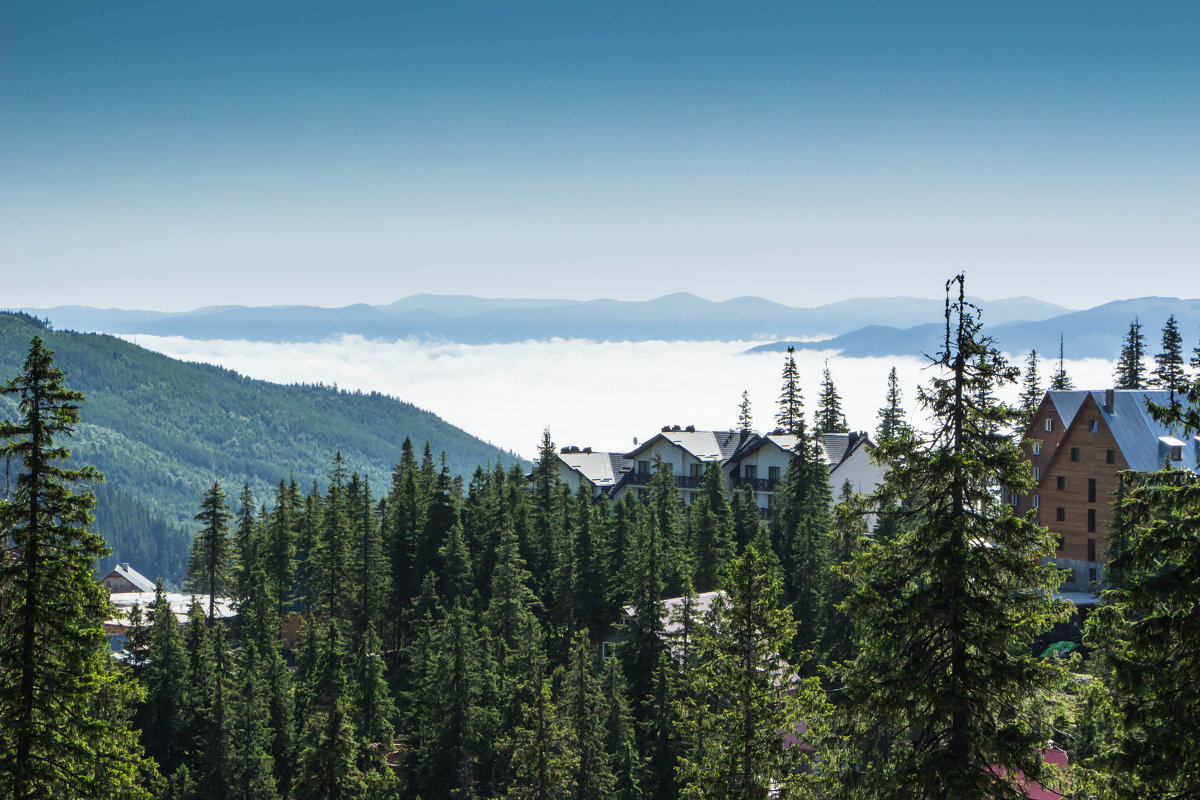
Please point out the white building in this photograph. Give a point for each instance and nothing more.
(746, 457)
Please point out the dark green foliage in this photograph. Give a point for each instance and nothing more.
(801, 531)
(944, 687)
(791, 402)
(211, 567)
(162, 429)
(583, 709)
(1060, 380)
(619, 741)
(828, 417)
(164, 719)
(63, 708)
(1168, 365)
(738, 691)
(745, 420)
(892, 419)
(245, 543)
(849, 533)
(1031, 391)
(1150, 631)
(1131, 367)
(712, 530)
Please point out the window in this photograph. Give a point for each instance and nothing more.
(608, 650)
(1110, 456)
(1037, 501)
(1060, 514)
(1093, 425)
(1092, 574)
(643, 467)
(1091, 520)
(750, 471)
(1177, 453)
(1061, 542)
(773, 473)
(1074, 453)
(1061, 482)
(1091, 550)
(695, 470)
(1050, 425)
(1037, 473)
(1091, 490)
(1037, 447)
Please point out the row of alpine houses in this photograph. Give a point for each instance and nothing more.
(748, 459)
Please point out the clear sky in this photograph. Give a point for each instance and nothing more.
(175, 154)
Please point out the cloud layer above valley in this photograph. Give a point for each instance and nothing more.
(598, 394)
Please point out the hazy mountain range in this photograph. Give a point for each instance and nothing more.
(857, 327)
(476, 320)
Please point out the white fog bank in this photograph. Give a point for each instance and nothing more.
(587, 393)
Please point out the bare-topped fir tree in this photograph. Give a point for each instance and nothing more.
(945, 697)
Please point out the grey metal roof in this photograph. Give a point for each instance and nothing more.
(701, 445)
(133, 576)
(602, 469)
(1138, 435)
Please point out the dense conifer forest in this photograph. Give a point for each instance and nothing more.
(437, 636)
(163, 430)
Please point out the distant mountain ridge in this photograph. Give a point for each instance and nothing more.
(1092, 333)
(473, 320)
(163, 430)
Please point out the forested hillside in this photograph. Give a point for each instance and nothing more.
(162, 431)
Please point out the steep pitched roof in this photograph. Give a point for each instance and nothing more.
(602, 469)
(701, 445)
(130, 574)
(1142, 440)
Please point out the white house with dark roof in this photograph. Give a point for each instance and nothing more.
(600, 471)
(688, 451)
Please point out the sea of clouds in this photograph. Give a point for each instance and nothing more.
(598, 394)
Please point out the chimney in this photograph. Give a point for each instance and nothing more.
(125, 566)
(1110, 396)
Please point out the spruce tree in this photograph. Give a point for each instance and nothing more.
(164, 730)
(245, 543)
(64, 731)
(791, 401)
(1031, 391)
(619, 741)
(279, 544)
(892, 419)
(330, 558)
(945, 698)
(1060, 380)
(828, 417)
(1131, 368)
(738, 692)
(745, 420)
(712, 530)
(583, 709)
(1168, 365)
(210, 569)
(252, 770)
(1146, 630)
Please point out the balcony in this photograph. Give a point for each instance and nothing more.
(757, 484)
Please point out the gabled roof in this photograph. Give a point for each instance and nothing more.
(701, 445)
(602, 469)
(1139, 436)
(840, 446)
(130, 574)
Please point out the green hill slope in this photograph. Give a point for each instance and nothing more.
(163, 430)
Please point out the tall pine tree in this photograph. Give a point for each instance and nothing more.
(829, 417)
(64, 708)
(945, 698)
(1131, 367)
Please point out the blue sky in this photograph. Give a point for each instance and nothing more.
(176, 154)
